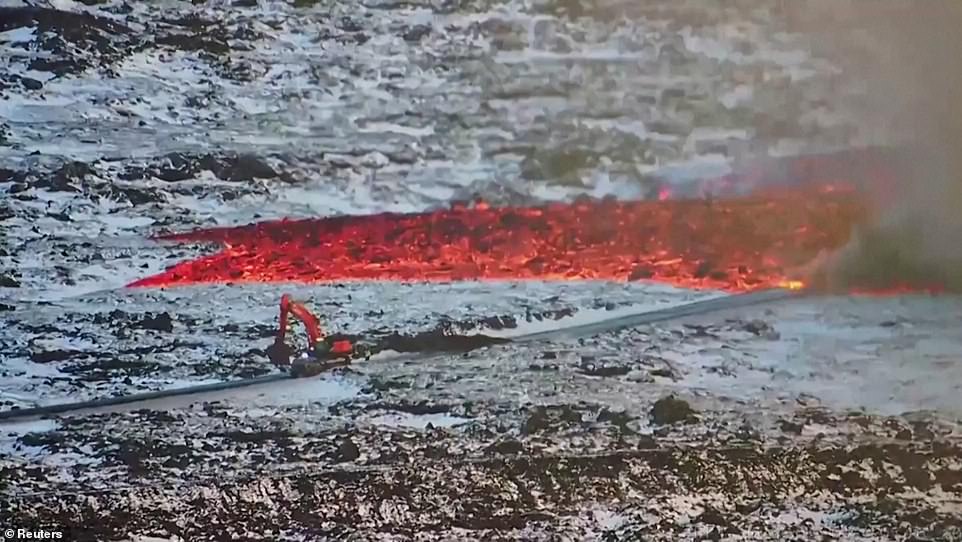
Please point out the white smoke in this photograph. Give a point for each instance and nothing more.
(904, 55)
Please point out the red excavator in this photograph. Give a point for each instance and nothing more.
(322, 351)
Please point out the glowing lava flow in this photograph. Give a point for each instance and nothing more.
(735, 244)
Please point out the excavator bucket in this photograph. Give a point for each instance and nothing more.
(280, 353)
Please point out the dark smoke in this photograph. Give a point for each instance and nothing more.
(905, 58)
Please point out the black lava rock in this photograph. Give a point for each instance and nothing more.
(671, 410)
(761, 328)
(712, 517)
(347, 451)
(245, 168)
(51, 439)
(664, 373)
(568, 414)
(161, 322)
(619, 419)
(647, 442)
(416, 33)
(507, 447)
(600, 369)
(537, 421)
(52, 355)
(791, 427)
(419, 408)
(922, 431)
(9, 175)
(30, 84)
(435, 341)
(81, 37)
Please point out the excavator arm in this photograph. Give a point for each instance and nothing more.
(302, 313)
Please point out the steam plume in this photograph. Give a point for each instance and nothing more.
(905, 56)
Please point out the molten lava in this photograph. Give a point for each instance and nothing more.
(735, 244)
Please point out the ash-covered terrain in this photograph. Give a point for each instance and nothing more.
(813, 419)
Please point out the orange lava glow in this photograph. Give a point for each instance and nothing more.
(736, 244)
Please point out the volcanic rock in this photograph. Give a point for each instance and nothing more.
(141, 196)
(347, 451)
(9, 175)
(536, 422)
(53, 355)
(507, 447)
(647, 442)
(65, 178)
(619, 419)
(671, 410)
(712, 517)
(8, 281)
(922, 431)
(435, 341)
(416, 33)
(245, 167)
(419, 408)
(175, 167)
(790, 427)
(49, 439)
(761, 328)
(663, 372)
(714, 536)
(30, 84)
(380, 384)
(161, 322)
(69, 37)
(569, 414)
(591, 368)
(257, 436)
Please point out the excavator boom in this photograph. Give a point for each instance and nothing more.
(302, 313)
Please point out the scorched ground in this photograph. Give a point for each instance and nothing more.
(828, 418)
